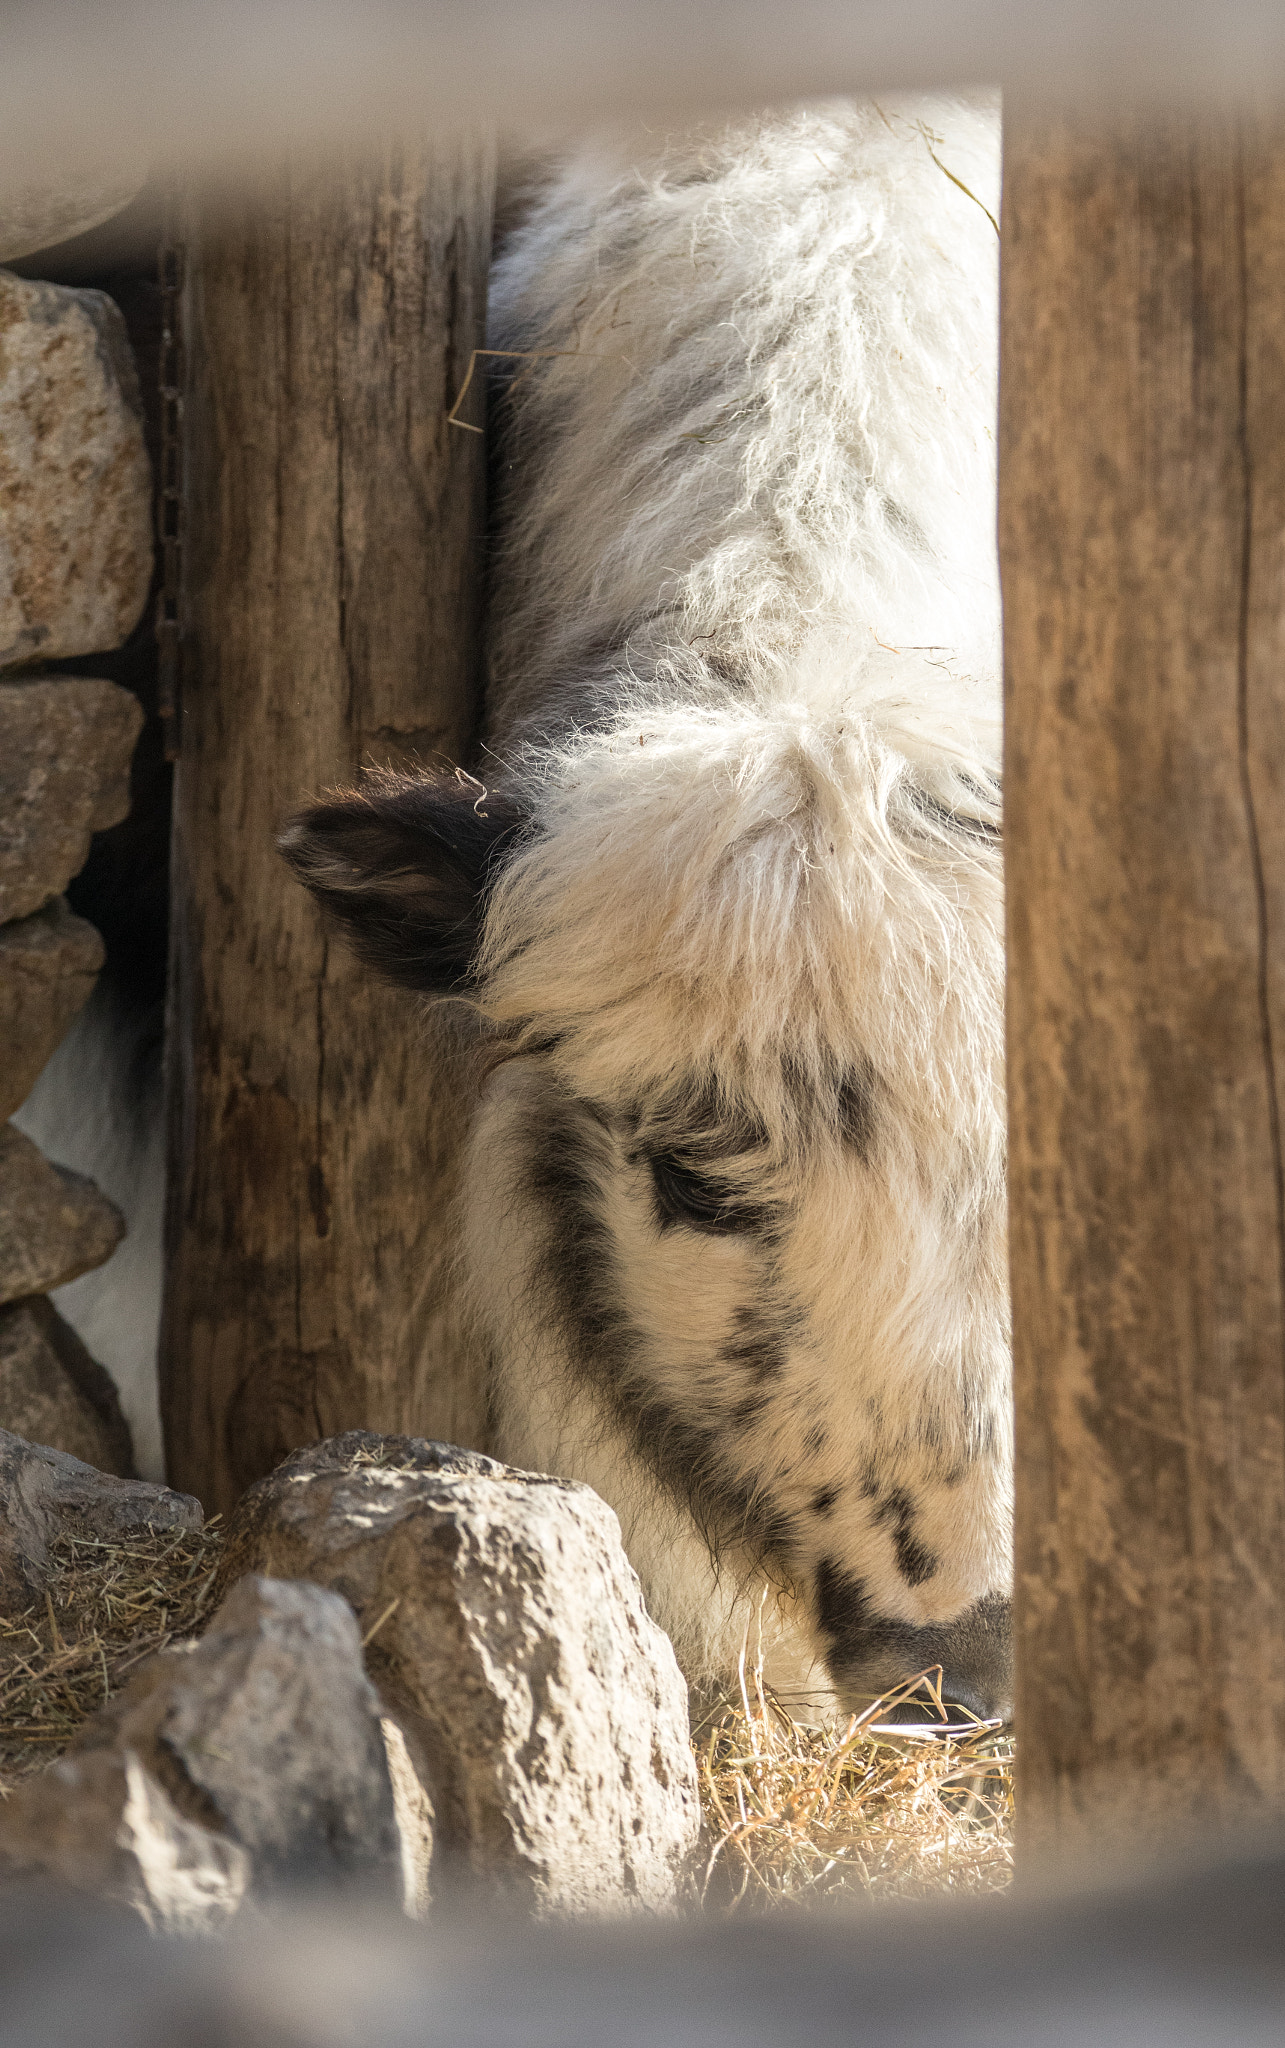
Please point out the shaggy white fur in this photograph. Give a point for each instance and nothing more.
(767, 435)
(744, 677)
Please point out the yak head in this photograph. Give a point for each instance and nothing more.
(733, 1224)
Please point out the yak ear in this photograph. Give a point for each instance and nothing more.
(405, 862)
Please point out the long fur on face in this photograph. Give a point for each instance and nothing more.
(734, 1216)
(743, 951)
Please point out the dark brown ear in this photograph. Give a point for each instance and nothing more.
(405, 862)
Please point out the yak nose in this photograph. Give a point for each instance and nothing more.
(870, 1655)
(948, 1704)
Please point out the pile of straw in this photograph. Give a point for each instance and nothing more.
(106, 1607)
(847, 1812)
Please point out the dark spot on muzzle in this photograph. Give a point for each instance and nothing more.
(870, 1655)
(896, 1512)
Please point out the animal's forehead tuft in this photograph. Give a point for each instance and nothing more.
(751, 893)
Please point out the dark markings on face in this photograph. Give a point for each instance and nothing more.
(840, 1099)
(581, 1281)
(915, 1561)
(707, 1120)
(894, 1510)
(930, 1431)
(974, 1651)
(815, 1438)
(691, 1141)
(687, 1196)
(856, 1105)
(542, 1043)
(749, 1410)
(759, 1348)
(823, 1500)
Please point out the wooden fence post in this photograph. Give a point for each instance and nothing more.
(333, 561)
(1142, 533)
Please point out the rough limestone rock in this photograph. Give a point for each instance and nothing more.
(64, 196)
(102, 1824)
(48, 966)
(43, 1492)
(54, 1224)
(253, 1757)
(542, 1707)
(53, 1393)
(75, 482)
(65, 749)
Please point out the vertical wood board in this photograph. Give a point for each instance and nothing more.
(1142, 536)
(333, 563)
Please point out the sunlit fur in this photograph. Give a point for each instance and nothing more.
(744, 678)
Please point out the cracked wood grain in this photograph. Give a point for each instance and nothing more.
(1142, 540)
(333, 572)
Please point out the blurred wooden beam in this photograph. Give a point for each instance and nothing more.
(226, 83)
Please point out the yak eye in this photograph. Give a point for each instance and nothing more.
(684, 1195)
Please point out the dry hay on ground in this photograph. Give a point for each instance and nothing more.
(848, 1812)
(106, 1607)
(791, 1812)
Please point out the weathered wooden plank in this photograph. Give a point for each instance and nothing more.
(1142, 526)
(333, 566)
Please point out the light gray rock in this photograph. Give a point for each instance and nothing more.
(250, 1762)
(75, 482)
(48, 966)
(65, 749)
(52, 1392)
(43, 1491)
(64, 196)
(542, 1708)
(101, 1824)
(54, 1224)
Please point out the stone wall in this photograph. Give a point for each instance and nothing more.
(75, 568)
